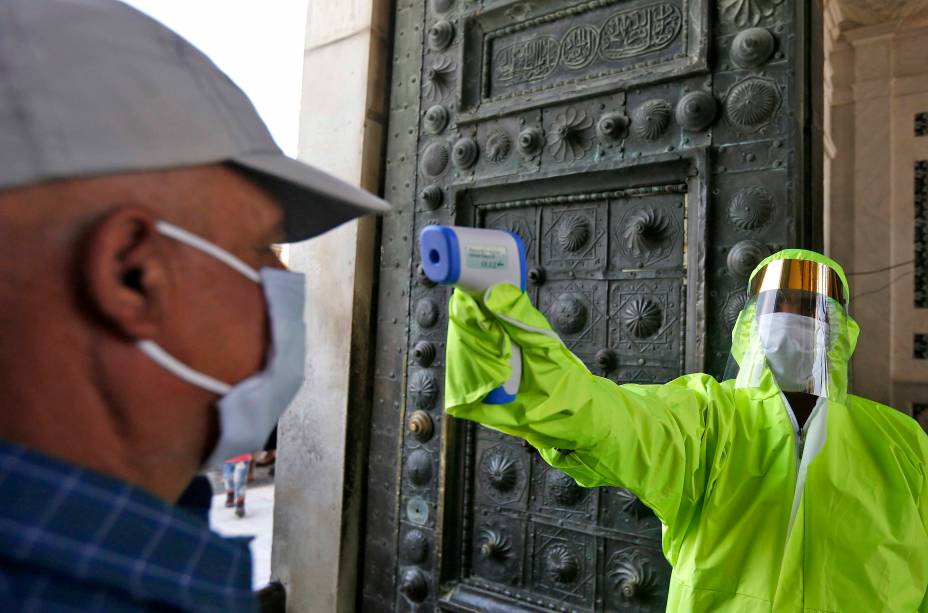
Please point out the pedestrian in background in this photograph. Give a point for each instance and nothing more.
(235, 477)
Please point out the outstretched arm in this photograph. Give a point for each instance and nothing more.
(650, 439)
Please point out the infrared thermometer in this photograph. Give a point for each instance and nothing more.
(474, 260)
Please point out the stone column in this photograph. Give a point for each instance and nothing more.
(322, 437)
(872, 184)
(838, 164)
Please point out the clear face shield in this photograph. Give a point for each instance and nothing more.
(794, 327)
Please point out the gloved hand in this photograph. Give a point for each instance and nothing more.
(554, 381)
(647, 438)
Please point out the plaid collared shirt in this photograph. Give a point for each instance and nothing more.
(75, 540)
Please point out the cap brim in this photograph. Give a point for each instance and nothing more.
(313, 201)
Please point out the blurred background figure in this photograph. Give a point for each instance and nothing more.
(235, 477)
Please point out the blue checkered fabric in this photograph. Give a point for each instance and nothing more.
(75, 540)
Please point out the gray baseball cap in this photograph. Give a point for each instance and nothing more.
(95, 87)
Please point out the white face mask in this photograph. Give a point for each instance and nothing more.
(796, 350)
(249, 410)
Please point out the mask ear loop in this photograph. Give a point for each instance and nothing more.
(181, 370)
(192, 240)
(162, 357)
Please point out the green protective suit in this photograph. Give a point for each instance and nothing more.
(754, 519)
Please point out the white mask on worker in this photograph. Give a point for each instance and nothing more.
(796, 350)
(249, 410)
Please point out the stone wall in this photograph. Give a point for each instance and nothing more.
(322, 440)
(876, 82)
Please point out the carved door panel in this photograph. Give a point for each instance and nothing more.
(649, 153)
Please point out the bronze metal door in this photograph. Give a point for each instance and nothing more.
(649, 153)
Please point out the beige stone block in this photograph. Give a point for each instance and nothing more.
(333, 106)
(872, 90)
(873, 59)
(842, 66)
(872, 186)
(915, 84)
(310, 480)
(910, 54)
(839, 205)
(870, 366)
(332, 20)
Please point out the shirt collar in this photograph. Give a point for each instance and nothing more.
(71, 521)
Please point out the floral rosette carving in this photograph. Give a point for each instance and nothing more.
(439, 77)
(733, 307)
(570, 138)
(751, 208)
(744, 256)
(424, 391)
(561, 564)
(632, 574)
(500, 471)
(745, 13)
(563, 488)
(494, 545)
(632, 505)
(646, 231)
(652, 119)
(498, 146)
(753, 102)
(642, 317)
(573, 233)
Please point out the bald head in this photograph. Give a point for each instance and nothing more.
(87, 276)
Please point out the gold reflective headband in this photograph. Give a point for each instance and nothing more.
(799, 274)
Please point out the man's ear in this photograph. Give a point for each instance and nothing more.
(124, 272)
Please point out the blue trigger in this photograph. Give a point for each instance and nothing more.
(499, 396)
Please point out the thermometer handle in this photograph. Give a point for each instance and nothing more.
(474, 260)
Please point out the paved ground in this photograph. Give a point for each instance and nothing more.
(258, 521)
